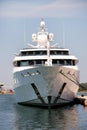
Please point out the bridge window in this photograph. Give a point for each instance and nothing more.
(63, 62)
(58, 52)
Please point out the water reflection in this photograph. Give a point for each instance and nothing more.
(29, 118)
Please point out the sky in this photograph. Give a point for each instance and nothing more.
(67, 19)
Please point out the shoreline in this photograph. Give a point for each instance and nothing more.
(7, 92)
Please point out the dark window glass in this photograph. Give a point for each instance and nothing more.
(54, 61)
(61, 62)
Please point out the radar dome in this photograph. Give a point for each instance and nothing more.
(51, 36)
(42, 24)
(34, 37)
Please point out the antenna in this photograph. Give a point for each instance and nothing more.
(24, 32)
(63, 34)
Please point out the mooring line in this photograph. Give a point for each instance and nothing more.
(37, 93)
(60, 92)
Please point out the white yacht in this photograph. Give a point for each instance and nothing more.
(45, 74)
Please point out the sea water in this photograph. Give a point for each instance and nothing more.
(18, 117)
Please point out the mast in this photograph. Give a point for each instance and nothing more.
(43, 40)
(42, 25)
(49, 61)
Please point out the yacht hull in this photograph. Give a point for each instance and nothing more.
(46, 85)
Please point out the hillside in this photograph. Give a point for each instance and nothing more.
(82, 86)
